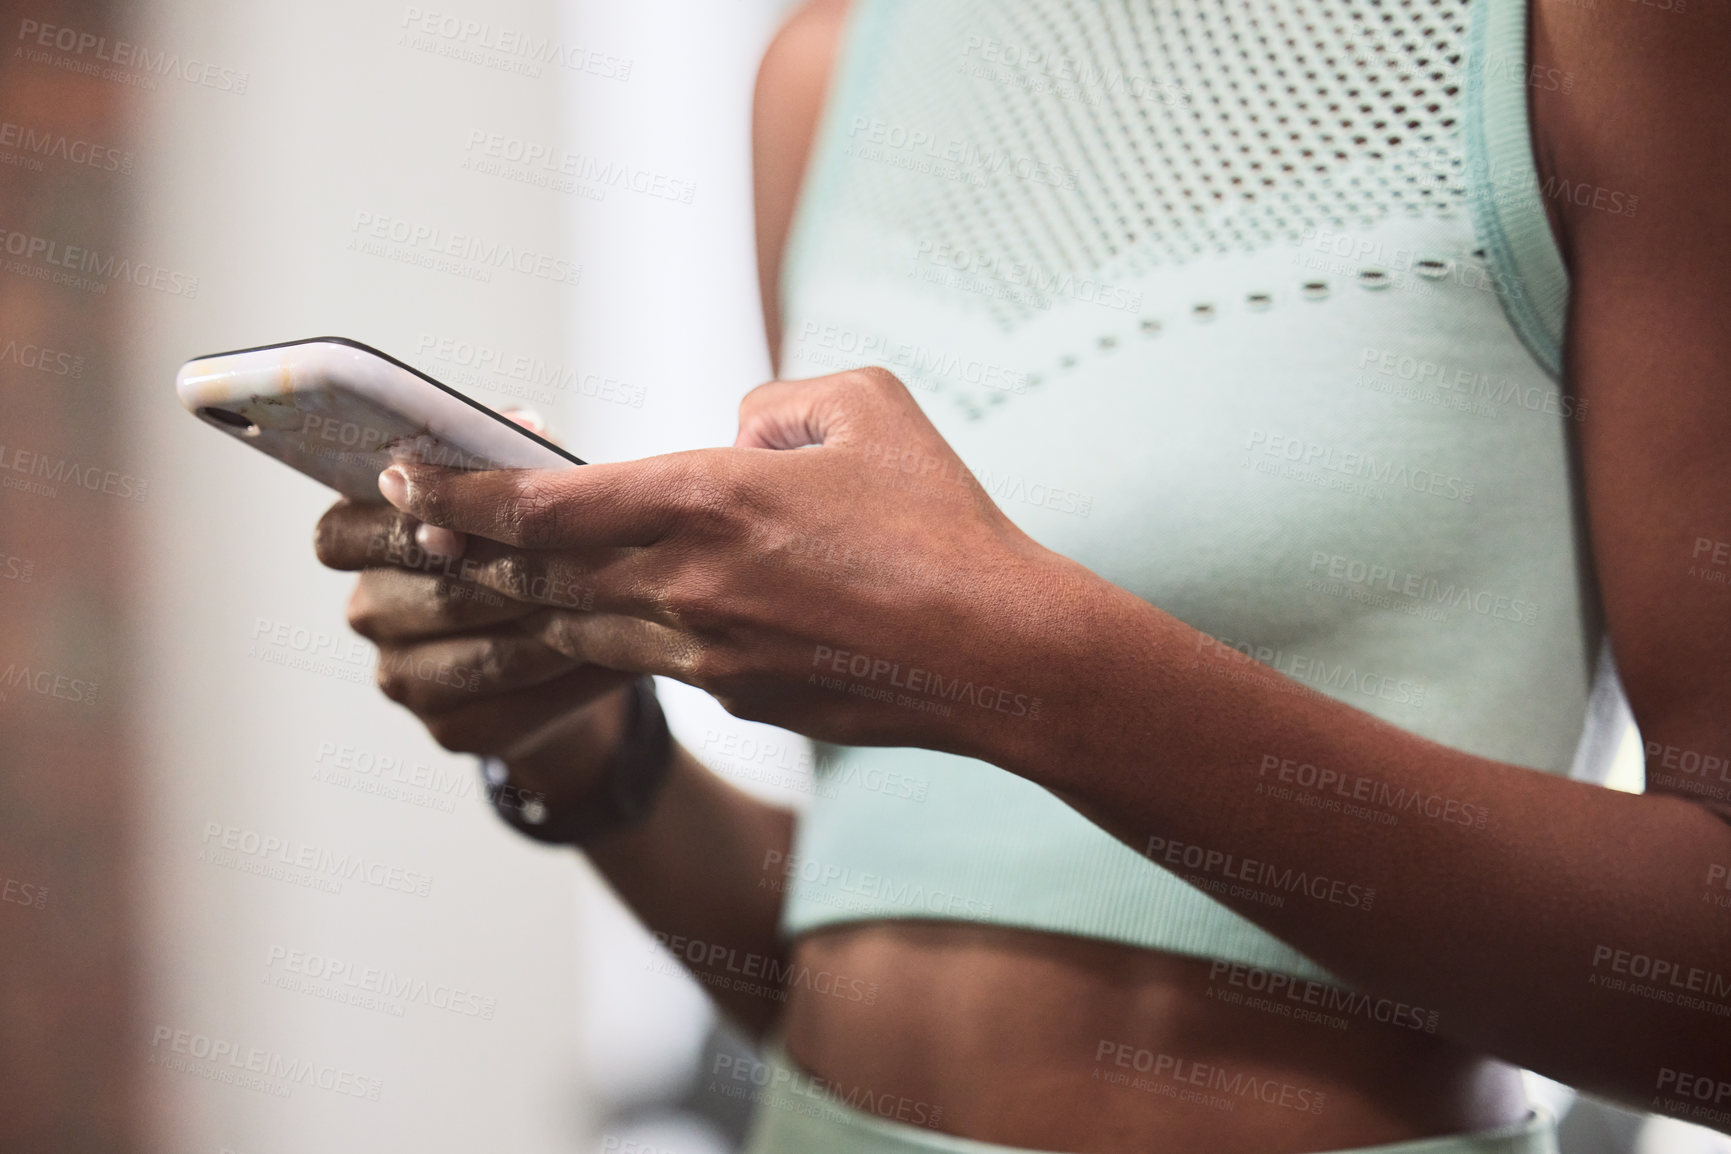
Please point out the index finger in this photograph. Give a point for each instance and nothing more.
(352, 535)
(618, 504)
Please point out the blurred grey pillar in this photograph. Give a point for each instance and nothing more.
(65, 920)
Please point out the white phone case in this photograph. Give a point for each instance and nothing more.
(340, 412)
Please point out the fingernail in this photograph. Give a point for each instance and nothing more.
(528, 418)
(394, 485)
(440, 542)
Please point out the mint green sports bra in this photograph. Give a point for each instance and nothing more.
(1250, 306)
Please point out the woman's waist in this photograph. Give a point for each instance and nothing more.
(975, 844)
(1055, 1042)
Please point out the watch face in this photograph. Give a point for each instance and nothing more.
(631, 779)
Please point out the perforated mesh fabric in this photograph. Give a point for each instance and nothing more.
(1113, 136)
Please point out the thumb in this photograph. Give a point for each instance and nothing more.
(823, 410)
(784, 415)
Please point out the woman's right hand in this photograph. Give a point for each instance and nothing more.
(463, 659)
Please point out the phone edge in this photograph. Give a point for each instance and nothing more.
(384, 356)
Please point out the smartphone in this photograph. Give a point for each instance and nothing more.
(341, 412)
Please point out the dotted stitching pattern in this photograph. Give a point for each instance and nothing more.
(1179, 128)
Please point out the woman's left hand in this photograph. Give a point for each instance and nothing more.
(837, 572)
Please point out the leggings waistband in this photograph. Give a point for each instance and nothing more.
(796, 1114)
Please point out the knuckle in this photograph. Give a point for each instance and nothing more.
(719, 669)
(717, 666)
(392, 539)
(692, 590)
(561, 632)
(458, 733)
(875, 379)
(681, 654)
(694, 664)
(430, 503)
(493, 662)
(392, 680)
(695, 605)
(513, 574)
(532, 511)
(706, 499)
(362, 610)
(447, 597)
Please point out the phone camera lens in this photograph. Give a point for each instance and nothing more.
(230, 418)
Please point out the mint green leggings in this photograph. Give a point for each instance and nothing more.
(796, 1116)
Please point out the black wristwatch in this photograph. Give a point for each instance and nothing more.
(630, 780)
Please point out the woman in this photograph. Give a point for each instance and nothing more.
(1242, 663)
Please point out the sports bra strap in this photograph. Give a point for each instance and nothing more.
(1503, 182)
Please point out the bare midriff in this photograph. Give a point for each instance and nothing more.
(1036, 1040)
